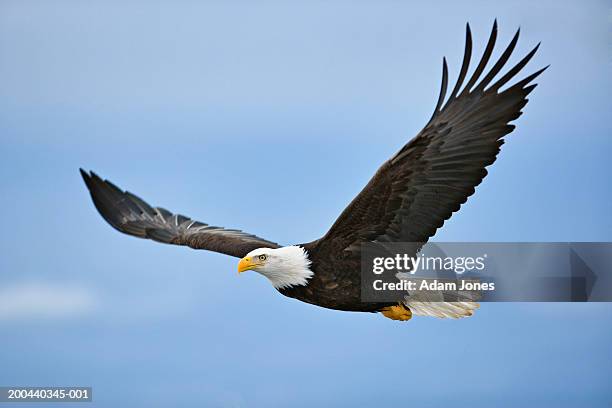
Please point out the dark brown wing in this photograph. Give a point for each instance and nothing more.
(131, 215)
(414, 192)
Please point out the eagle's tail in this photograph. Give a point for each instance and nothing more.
(443, 303)
(454, 310)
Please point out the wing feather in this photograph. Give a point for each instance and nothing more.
(426, 181)
(131, 215)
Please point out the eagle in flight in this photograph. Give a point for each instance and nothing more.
(407, 200)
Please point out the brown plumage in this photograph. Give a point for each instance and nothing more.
(407, 200)
(131, 215)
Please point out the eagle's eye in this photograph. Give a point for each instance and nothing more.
(262, 258)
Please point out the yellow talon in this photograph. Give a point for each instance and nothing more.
(399, 312)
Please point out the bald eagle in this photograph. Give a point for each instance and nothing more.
(407, 200)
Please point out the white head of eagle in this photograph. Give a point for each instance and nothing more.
(284, 267)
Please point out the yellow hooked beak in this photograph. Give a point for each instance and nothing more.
(246, 264)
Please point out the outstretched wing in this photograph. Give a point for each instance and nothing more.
(421, 186)
(131, 215)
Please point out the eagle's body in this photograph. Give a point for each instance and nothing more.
(330, 287)
(407, 200)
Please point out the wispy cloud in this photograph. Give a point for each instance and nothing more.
(38, 300)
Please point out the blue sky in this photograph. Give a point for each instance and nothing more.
(270, 117)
